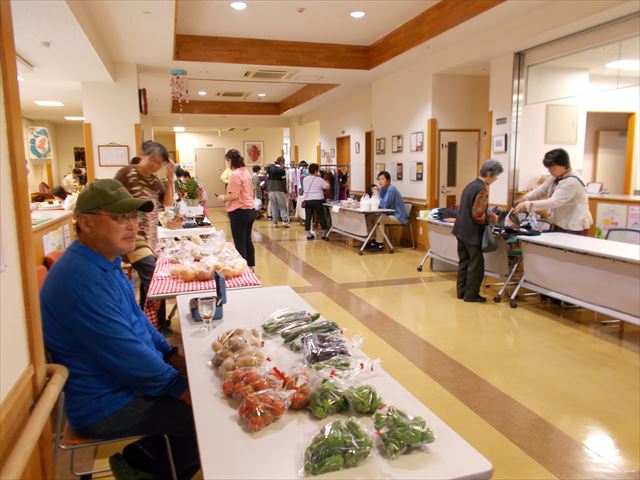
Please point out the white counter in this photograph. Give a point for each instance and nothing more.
(229, 452)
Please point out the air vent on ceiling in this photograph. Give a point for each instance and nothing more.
(268, 74)
(233, 94)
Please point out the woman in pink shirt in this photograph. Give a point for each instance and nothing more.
(239, 204)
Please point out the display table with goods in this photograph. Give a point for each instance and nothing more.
(601, 275)
(350, 221)
(279, 392)
(184, 221)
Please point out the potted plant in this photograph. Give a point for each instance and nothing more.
(189, 190)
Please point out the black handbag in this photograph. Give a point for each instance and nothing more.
(488, 240)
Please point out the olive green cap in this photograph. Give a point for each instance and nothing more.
(110, 195)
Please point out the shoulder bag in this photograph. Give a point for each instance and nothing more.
(488, 240)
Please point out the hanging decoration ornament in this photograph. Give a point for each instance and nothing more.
(179, 87)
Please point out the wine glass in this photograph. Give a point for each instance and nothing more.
(206, 309)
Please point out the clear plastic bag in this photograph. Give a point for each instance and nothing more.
(328, 397)
(363, 399)
(337, 446)
(318, 347)
(374, 204)
(245, 381)
(320, 326)
(260, 409)
(298, 380)
(237, 348)
(398, 432)
(287, 319)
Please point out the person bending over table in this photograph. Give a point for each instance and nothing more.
(124, 378)
(239, 204)
(470, 222)
(563, 193)
(390, 198)
(313, 197)
(142, 182)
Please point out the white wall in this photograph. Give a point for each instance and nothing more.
(14, 349)
(532, 131)
(500, 103)
(307, 137)
(68, 137)
(599, 121)
(187, 142)
(112, 110)
(460, 101)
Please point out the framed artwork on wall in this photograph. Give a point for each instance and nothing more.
(499, 143)
(333, 153)
(417, 171)
(113, 155)
(380, 167)
(39, 143)
(416, 142)
(323, 154)
(357, 147)
(380, 146)
(399, 171)
(253, 151)
(396, 144)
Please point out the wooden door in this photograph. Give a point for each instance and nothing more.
(343, 156)
(209, 166)
(458, 163)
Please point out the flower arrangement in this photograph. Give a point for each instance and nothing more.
(189, 188)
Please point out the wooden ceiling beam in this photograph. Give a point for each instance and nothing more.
(443, 16)
(227, 108)
(305, 94)
(251, 51)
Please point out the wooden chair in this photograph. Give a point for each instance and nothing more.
(50, 259)
(41, 273)
(67, 439)
(407, 209)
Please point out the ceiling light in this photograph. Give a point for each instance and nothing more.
(625, 64)
(20, 79)
(238, 5)
(202, 93)
(76, 119)
(357, 14)
(49, 103)
(178, 129)
(262, 95)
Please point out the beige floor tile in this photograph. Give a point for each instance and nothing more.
(588, 388)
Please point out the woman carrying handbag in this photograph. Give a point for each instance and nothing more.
(313, 200)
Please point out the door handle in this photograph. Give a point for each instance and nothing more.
(444, 190)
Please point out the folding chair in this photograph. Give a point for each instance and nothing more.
(407, 209)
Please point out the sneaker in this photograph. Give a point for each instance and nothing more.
(285, 223)
(310, 236)
(123, 471)
(323, 235)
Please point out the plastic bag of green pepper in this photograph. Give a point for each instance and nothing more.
(363, 399)
(398, 432)
(328, 397)
(337, 446)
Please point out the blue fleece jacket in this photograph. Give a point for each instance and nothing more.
(93, 326)
(390, 198)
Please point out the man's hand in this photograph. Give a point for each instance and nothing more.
(177, 361)
(186, 397)
(171, 169)
(521, 207)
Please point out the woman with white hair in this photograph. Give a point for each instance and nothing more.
(470, 222)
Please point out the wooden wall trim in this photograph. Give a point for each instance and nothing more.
(21, 197)
(488, 141)
(88, 151)
(441, 17)
(137, 130)
(305, 94)
(14, 410)
(631, 138)
(432, 162)
(253, 51)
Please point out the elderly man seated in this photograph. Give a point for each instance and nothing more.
(124, 378)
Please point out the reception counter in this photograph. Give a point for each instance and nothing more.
(52, 230)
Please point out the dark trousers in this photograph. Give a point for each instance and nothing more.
(241, 221)
(152, 417)
(470, 270)
(145, 267)
(584, 233)
(314, 206)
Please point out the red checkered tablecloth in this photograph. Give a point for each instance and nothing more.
(163, 285)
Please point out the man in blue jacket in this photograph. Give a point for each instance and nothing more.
(390, 198)
(124, 378)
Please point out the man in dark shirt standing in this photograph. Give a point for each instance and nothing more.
(470, 222)
(277, 176)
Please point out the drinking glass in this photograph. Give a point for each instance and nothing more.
(206, 308)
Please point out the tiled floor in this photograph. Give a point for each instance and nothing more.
(542, 392)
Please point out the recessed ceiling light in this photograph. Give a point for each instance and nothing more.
(74, 119)
(238, 5)
(625, 64)
(178, 129)
(357, 14)
(49, 103)
(262, 95)
(202, 93)
(20, 79)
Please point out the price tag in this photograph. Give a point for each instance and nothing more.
(335, 208)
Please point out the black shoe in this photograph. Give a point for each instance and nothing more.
(477, 299)
(373, 245)
(460, 297)
(123, 471)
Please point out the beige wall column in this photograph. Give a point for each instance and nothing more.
(112, 110)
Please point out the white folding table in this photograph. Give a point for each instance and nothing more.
(352, 222)
(229, 452)
(601, 275)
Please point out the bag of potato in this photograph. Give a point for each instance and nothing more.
(235, 349)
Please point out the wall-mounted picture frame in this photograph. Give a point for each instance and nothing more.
(380, 167)
(399, 171)
(333, 153)
(417, 171)
(396, 144)
(380, 145)
(416, 142)
(499, 143)
(254, 151)
(39, 143)
(323, 153)
(357, 147)
(113, 155)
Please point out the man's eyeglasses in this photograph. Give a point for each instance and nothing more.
(121, 218)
